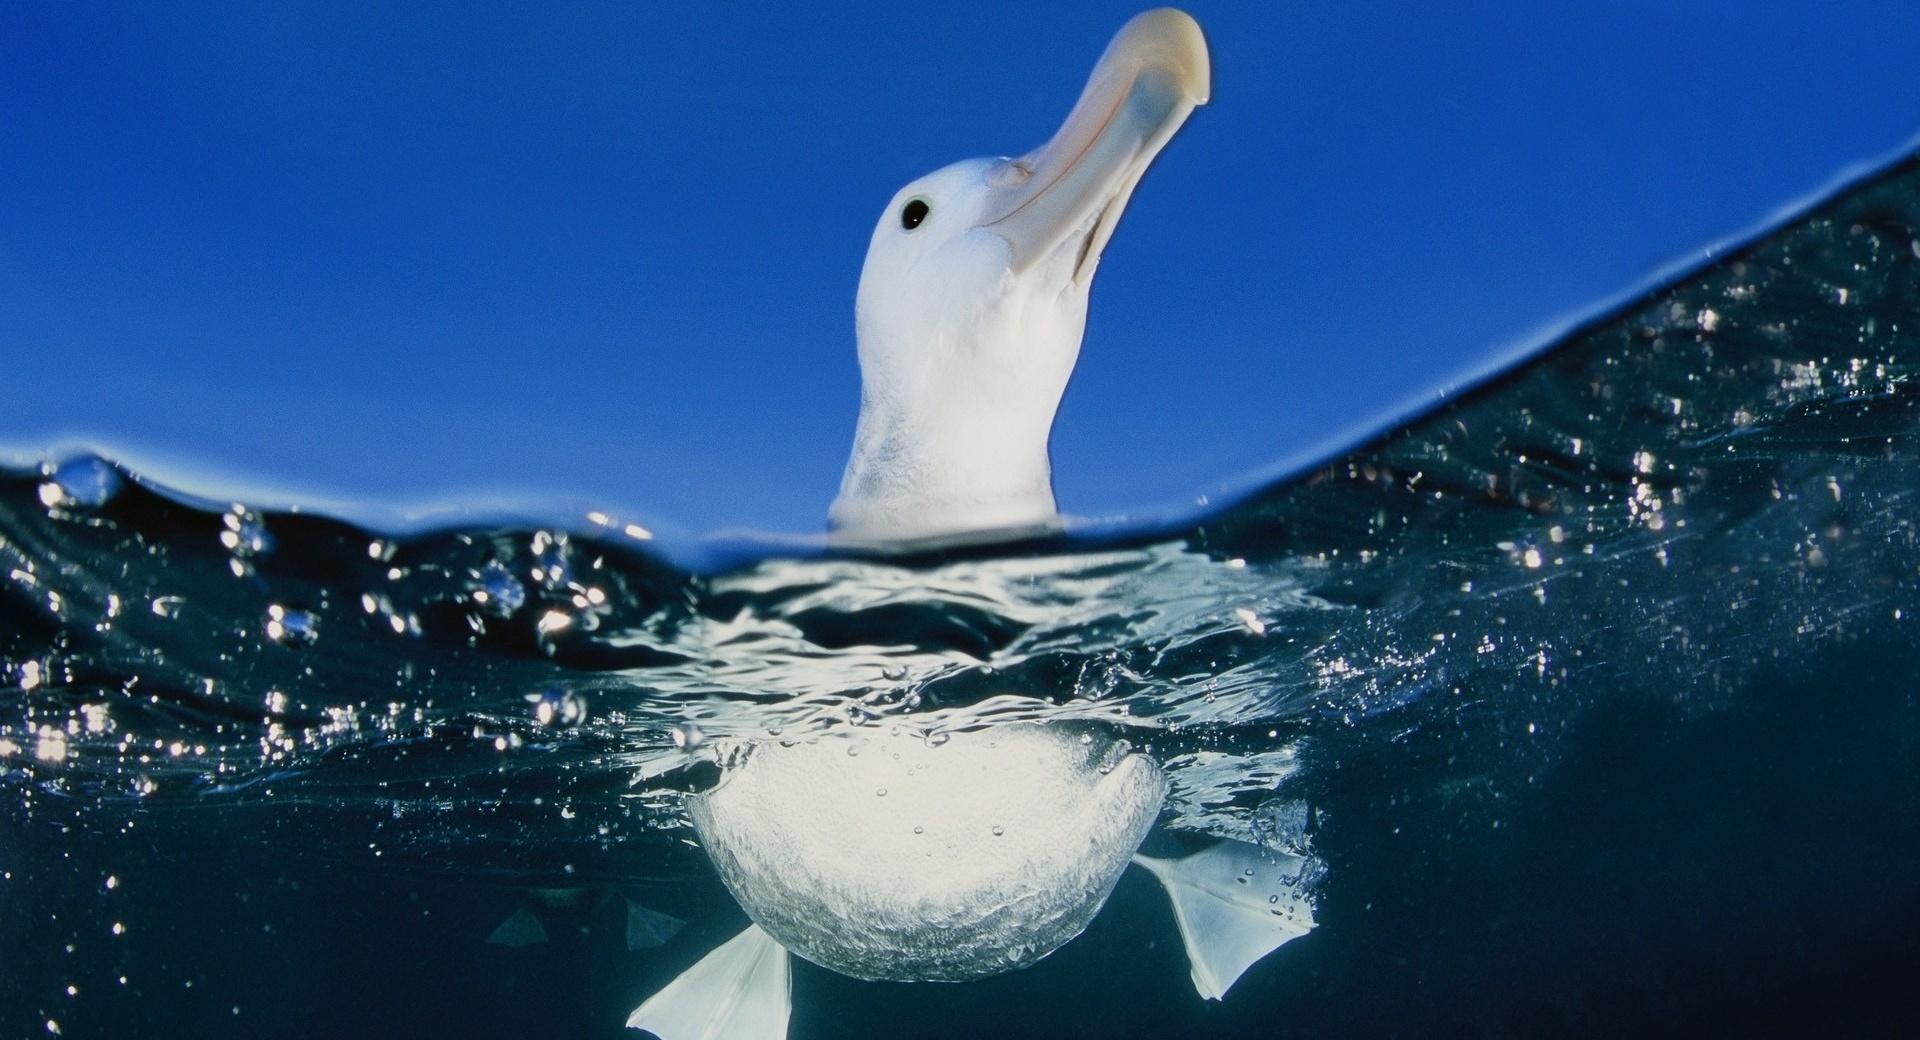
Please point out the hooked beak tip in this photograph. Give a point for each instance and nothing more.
(1169, 41)
(1151, 76)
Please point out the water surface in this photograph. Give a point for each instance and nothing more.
(1592, 693)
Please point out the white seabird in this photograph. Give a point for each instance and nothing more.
(973, 300)
(890, 856)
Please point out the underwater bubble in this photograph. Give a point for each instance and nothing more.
(497, 590)
(290, 627)
(1250, 621)
(50, 744)
(562, 707)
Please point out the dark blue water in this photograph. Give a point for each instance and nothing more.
(1595, 696)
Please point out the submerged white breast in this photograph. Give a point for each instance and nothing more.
(882, 857)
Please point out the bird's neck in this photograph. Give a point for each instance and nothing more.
(955, 462)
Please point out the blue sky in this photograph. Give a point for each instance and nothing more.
(606, 254)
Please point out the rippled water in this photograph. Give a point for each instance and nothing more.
(1594, 690)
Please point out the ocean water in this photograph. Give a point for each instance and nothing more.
(1592, 698)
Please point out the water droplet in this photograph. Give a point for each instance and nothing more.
(689, 736)
(87, 481)
(290, 627)
(550, 564)
(917, 829)
(245, 533)
(998, 830)
(880, 792)
(497, 590)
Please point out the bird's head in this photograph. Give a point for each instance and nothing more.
(973, 299)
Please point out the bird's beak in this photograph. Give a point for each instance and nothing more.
(1073, 187)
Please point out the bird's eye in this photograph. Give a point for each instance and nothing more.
(913, 213)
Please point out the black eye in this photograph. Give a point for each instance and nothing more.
(913, 213)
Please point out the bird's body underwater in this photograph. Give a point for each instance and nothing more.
(892, 855)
